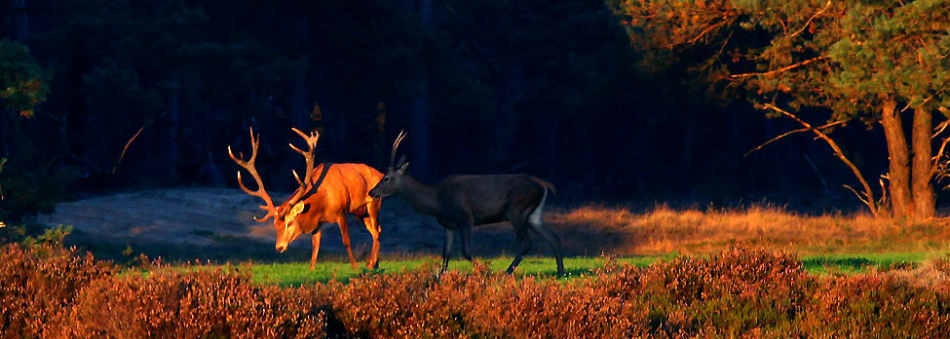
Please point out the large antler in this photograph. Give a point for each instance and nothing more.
(249, 166)
(392, 156)
(311, 140)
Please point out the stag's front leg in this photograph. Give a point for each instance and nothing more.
(345, 232)
(316, 247)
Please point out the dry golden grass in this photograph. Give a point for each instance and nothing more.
(693, 231)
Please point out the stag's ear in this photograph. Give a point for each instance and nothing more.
(403, 165)
(300, 208)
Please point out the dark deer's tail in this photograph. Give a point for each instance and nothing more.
(548, 186)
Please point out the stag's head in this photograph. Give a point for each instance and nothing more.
(287, 223)
(394, 180)
(288, 215)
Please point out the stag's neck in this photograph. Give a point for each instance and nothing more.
(420, 196)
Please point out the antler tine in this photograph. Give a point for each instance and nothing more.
(311, 140)
(392, 156)
(250, 167)
(297, 177)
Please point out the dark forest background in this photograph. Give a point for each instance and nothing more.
(548, 87)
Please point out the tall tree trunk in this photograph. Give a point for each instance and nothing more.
(922, 185)
(686, 155)
(898, 169)
(419, 127)
(299, 107)
(419, 113)
(171, 141)
(5, 132)
(21, 23)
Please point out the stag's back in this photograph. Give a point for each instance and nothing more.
(347, 185)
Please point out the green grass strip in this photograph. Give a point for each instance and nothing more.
(296, 274)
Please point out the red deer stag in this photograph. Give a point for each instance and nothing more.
(462, 201)
(339, 189)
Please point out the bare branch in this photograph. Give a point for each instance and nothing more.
(817, 172)
(705, 31)
(129, 143)
(2, 162)
(838, 153)
(828, 5)
(775, 139)
(859, 195)
(883, 199)
(790, 133)
(780, 70)
(940, 128)
(943, 147)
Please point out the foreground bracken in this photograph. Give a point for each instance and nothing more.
(51, 292)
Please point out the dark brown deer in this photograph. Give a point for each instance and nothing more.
(462, 201)
(326, 194)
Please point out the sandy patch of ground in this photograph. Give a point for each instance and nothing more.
(199, 219)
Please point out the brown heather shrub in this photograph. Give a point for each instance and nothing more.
(53, 293)
(38, 284)
(878, 306)
(738, 291)
(481, 304)
(204, 303)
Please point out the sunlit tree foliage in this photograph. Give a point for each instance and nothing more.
(834, 60)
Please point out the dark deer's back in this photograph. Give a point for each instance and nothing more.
(489, 198)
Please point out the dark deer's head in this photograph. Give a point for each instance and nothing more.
(393, 181)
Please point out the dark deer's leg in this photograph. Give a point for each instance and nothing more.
(316, 247)
(552, 241)
(447, 249)
(526, 245)
(466, 232)
(345, 232)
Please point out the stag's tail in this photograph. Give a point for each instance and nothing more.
(548, 186)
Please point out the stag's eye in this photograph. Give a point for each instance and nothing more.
(386, 179)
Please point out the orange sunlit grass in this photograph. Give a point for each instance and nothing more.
(664, 230)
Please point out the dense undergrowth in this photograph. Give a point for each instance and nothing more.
(50, 292)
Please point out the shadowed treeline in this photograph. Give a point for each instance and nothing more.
(549, 88)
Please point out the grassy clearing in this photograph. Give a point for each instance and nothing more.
(695, 231)
(827, 244)
(297, 274)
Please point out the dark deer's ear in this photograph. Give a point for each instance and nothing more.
(403, 164)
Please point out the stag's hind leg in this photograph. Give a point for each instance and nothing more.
(345, 233)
